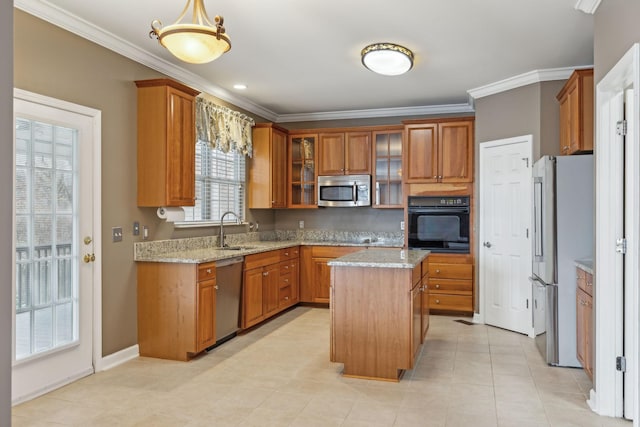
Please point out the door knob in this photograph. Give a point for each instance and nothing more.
(487, 244)
(89, 258)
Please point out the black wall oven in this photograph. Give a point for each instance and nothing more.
(439, 223)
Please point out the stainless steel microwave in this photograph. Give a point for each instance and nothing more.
(344, 191)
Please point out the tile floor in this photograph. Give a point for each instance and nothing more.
(280, 375)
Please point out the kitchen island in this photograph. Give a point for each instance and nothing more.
(378, 309)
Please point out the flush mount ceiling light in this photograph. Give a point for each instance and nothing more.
(197, 42)
(388, 59)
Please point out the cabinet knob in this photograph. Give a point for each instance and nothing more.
(437, 286)
(437, 271)
(286, 254)
(437, 301)
(286, 280)
(208, 271)
(286, 267)
(216, 287)
(266, 273)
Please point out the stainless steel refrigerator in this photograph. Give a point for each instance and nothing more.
(562, 233)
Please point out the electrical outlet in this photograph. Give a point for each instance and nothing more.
(401, 225)
(301, 224)
(136, 228)
(116, 233)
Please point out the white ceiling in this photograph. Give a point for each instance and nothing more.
(301, 59)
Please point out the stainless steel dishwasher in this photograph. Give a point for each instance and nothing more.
(229, 284)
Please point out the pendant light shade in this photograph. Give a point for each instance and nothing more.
(197, 42)
(388, 59)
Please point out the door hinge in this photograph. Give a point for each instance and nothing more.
(527, 233)
(621, 364)
(621, 127)
(621, 246)
(527, 303)
(526, 159)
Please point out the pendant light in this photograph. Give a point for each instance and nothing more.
(197, 42)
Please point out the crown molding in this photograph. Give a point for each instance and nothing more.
(587, 6)
(531, 77)
(55, 15)
(378, 112)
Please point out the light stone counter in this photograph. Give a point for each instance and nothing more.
(198, 250)
(381, 258)
(585, 264)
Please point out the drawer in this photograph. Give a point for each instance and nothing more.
(206, 271)
(584, 281)
(286, 280)
(450, 302)
(262, 259)
(450, 271)
(287, 267)
(451, 286)
(285, 296)
(289, 253)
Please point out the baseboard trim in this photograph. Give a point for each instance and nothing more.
(117, 358)
(21, 399)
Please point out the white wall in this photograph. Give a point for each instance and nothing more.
(6, 197)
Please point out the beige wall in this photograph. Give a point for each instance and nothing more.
(6, 203)
(615, 30)
(56, 63)
(531, 109)
(343, 219)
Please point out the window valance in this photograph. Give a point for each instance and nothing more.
(223, 128)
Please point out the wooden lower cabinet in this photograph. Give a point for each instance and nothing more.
(425, 298)
(270, 284)
(315, 274)
(450, 283)
(584, 321)
(176, 309)
(376, 320)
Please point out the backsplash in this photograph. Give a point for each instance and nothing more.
(157, 247)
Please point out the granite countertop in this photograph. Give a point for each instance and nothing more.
(381, 258)
(201, 250)
(585, 264)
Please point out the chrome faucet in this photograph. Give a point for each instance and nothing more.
(222, 225)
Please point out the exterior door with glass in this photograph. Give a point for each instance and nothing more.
(53, 244)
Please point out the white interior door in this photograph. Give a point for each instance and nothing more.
(53, 247)
(505, 222)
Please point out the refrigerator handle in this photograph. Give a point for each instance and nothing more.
(537, 219)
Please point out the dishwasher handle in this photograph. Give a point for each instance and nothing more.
(229, 261)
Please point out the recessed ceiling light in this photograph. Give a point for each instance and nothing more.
(388, 59)
(240, 86)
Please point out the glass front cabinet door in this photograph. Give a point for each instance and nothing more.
(387, 189)
(302, 172)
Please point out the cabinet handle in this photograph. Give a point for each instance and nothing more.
(216, 287)
(266, 273)
(208, 271)
(589, 283)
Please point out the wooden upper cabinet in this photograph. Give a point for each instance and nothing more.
(268, 167)
(166, 143)
(344, 153)
(455, 151)
(576, 113)
(421, 153)
(438, 151)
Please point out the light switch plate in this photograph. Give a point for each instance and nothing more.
(116, 233)
(402, 225)
(136, 228)
(300, 224)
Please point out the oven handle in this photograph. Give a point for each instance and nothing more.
(444, 209)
